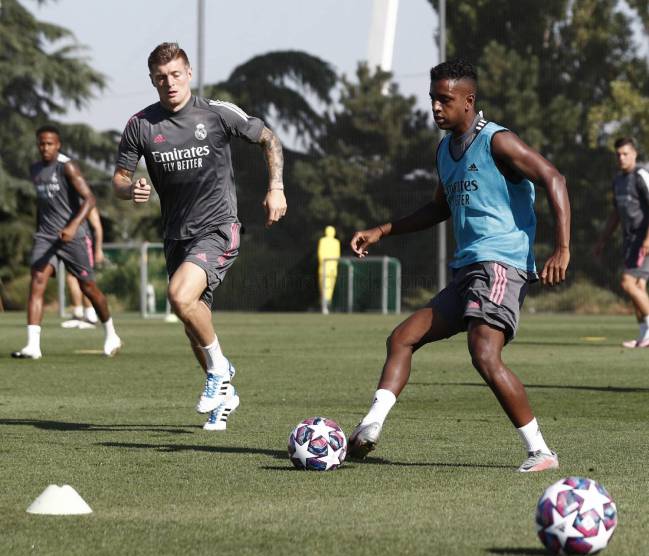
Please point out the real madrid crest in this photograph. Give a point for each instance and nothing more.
(200, 132)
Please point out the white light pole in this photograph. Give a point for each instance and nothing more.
(200, 57)
(382, 33)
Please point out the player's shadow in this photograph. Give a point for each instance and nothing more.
(90, 427)
(516, 551)
(277, 454)
(612, 389)
(567, 343)
(383, 461)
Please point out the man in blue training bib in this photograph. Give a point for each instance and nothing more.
(486, 175)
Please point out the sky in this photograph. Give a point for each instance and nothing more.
(120, 34)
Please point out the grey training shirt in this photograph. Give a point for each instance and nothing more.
(187, 154)
(57, 200)
(631, 199)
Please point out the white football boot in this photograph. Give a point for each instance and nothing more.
(539, 461)
(215, 390)
(27, 353)
(112, 345)
(218, 418)
(363, 440)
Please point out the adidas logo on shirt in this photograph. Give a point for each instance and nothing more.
(472, 168)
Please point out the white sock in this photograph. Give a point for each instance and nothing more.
(381, 406)
(77, 312)
(109, 327)
(33, 337)
(532, 437)
(91, 314)
(644, 329)
(216, 361)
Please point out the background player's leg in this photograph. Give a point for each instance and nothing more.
(485, 345)
(75, 295)
(89, 312)
(37, 287)
(636, 289)
(97, 298)
(112, 342)
(422, 327)
(36, 294)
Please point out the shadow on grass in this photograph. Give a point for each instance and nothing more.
(517, 551)
(277, 454)
(89, 427)
(563, 344)
(613, 389)
(382, 461)
(290, 467)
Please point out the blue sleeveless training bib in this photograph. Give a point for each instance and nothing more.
(493, 218)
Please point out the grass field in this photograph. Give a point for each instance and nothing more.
(124, 433)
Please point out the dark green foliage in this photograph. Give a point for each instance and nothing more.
(280, 84)
(568, 78)
(375, 164)
(42, 71)
(565, 75)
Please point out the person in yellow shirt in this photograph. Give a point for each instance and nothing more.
(328, 255)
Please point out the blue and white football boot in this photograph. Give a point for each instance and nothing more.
(215, 390)
(218, 419)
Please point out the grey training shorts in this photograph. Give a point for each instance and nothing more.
(77, 255)
(490, 291)
(214, 253)
(635, 264)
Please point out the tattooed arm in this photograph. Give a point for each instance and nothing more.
(275, 201)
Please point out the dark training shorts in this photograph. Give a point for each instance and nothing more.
(214, 253)
(77, 255)
(635, 264)
(490, 291)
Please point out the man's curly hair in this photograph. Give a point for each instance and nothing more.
(454, 69)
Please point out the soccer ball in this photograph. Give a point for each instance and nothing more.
(317, 444)
(575, 516)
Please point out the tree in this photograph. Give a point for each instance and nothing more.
(625, 113)
(376, 164)
(567, 75)
(277, 86)
(372, 161)
(42, 71)
(372, 143)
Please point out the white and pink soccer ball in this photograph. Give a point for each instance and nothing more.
(317, 444)
(575, 516)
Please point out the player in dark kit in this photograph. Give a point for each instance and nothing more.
(631, 208)
(64, 201)
(185, 142)
(486, 176)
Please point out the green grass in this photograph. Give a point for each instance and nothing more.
(124, 433)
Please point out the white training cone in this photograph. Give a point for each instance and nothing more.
(59, 500)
